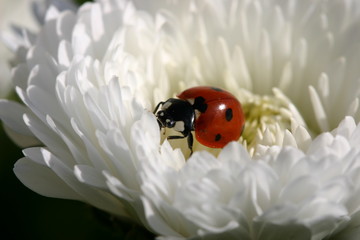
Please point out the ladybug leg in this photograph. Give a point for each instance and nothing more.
(190, 140)
(175, 137)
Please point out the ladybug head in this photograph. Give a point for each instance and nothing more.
(177, 114)
(165, 119)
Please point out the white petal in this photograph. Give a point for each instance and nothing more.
(299, 190)
(119, 189)
(303, 138)
(100, 199)
(21, 140)
(90, 176)
(11, 113)
(43, 180)
(64, 54)
(319, 110)
(346, 127)
(289, 139)
(81, 41)
(355, 137)
(45, 135)
(65, 24)
(353, 107)
(20, 76)
(234, 151)
(155, 221)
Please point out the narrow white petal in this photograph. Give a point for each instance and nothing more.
(353, 107)
(319, 111)
(303, 138)
(324, 86)
(289, 139)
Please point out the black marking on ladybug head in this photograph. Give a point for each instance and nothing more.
(164, 119)
(228, 114)
(217, 89)
(199, 104)
(177, 114)
(217, 137)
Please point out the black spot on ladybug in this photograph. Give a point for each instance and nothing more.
(217, 89)
(228, 114)
(217, 137)
(200, 104)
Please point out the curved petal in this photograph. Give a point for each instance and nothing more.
(43, 180)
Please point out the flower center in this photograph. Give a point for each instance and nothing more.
(267, 119)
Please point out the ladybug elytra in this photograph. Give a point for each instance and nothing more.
(214, 114)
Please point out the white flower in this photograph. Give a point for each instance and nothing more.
(90, 80)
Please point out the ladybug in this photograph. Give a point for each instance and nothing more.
(214, 114)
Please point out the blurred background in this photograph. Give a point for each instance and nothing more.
(25, 214)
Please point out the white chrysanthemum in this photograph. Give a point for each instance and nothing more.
(90, 80)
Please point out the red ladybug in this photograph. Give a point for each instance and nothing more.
(215, 115)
